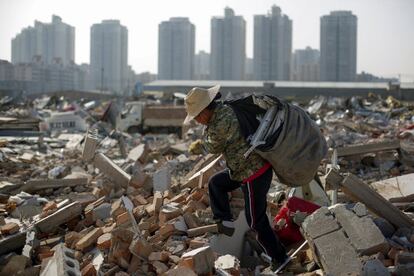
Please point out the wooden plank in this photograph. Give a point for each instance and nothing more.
(375, 202)
(368, 148)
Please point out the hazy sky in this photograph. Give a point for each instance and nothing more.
(385, 27)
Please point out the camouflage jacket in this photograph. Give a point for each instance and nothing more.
(223, 135)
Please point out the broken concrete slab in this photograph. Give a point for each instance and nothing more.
(42, 184)
(139, 153)
(336, 254)
(110, 169)
(357, 189)
(368, 148)
(363, 234)
(319, 223)
(395, 187)
(162, 179)
(63, 215)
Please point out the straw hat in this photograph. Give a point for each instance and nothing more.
(198, 99)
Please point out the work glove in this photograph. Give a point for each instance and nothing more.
(196, 147)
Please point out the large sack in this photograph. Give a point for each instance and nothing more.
(298, 149)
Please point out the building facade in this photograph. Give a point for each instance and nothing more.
(49, 41)
(228, 47)
(39, 77)
(338, 44)
(272, 46)
(305, 65)
(202, 66)
(176, 49)
(109, 56)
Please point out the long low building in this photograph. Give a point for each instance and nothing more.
(289, 89)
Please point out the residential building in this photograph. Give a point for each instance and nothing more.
(228, 46)
(51, 41)
(272, 47)
(109, 56)
(176, 49)
(305, 65)
(202, 66)
(338, 46)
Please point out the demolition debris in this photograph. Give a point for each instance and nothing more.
(79, 197)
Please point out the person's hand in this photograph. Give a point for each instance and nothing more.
(196, 147)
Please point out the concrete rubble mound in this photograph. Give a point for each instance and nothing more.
(81, 197)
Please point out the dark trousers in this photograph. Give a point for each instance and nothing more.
(255, 208)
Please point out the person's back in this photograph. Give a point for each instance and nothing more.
(223, 135)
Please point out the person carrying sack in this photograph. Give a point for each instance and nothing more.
(253, 174)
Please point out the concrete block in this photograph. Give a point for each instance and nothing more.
(63, 263)
(162, 179)
(319, 223)
(110, 169)
(336, 254)
(363, 234)
(42, 184)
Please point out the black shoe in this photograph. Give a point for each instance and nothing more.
(226, 230)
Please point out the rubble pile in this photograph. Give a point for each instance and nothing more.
(106, 202)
